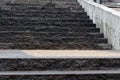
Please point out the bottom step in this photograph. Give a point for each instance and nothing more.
(63, 77)
(56, 46)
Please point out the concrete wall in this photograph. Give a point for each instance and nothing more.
(108, 20)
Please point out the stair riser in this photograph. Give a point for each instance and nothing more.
(49, 20)
(20, 22)
(41, 2)
(50, 9)
(50, 0)
(48, 24)
(60, 30)
(37, 7)
(41, 12)
(32, 39)
(48, 34)
(64, 77)
(43, 15)
(38, 16)
(74, 17)
(27, 28)
(54, 46)
(72, 6)
(54, 29)
(58, 64)
(26, 23)
(44, 2)
(70, 10)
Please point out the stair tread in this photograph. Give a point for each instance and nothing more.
(96, 56)
(64, 77)
(55, 46)
(45, 28)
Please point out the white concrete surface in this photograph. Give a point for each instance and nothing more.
(58, 54)
(59, 72)
(108, 20)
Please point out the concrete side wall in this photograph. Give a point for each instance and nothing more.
(108, 20)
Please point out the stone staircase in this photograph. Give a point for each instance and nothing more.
(49, 25)
(56, 25)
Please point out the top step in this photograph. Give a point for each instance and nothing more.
(56, 3)
(41, 1)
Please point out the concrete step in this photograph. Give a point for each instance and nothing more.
(62, 4)
(44, 15)
(51, 29)
(38, 1)
(43, 3)
(22, 7)
(51, 34)
(54, 1)
(84, 30)
(54, 10)
(39, 39)
(63, 77)
(60, 16)
(39, 6)
(42, 19)
(58, 64)
(55, 46)
(22, 19)
(41, 12)
(33, 27)
(49, 24)
(48, 8)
